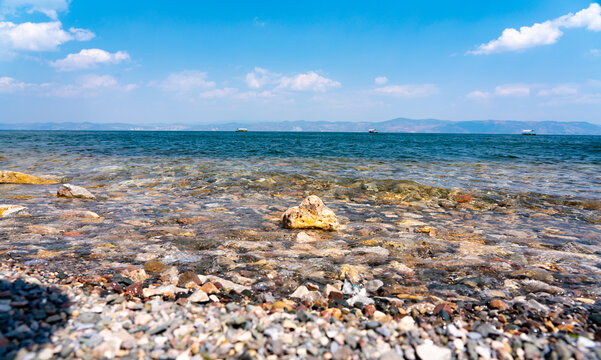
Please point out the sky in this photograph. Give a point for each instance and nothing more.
(199, 62)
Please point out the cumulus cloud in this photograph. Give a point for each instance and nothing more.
(46, 36)
(309, 81)
(545, 33)
(89, 58)
(187, 81)
(408, 91)
(47, 7)
(260, 77)
(381, 80)
(478, 95)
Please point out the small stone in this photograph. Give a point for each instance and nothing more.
(72, 191)
(154, 267)
(498, 304)
(199, 296)
(136, 275)
(463, 198)
(187, 277)
(303, 238)
(373, 285)
(135, 290)
(300, 292)
(209, 288)
(428, 351)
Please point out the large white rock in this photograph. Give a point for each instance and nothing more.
(72, 191)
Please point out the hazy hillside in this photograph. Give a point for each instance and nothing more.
(395, 125)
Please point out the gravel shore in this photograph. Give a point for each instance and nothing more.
(134, 314)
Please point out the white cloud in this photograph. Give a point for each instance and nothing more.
(47, 36)
(512, 90)
(408, 91)
(589, 18)
(85, 86)
(595, 52)
(478, 95)
(47, 7)
(186, 81)
(89, 58)
(260, 77)
(89, 85)
(250, 95)
(309, 81)
(558, 90)
(82, 34)
(217, 93)
(9, 85)
(545, 33)
(381, 80)
(507, 90)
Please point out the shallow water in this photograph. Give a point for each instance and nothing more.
(211, 201)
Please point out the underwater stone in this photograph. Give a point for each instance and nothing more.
(72, 191)
(13, 177)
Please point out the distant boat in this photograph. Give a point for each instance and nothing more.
(241, 130)
(528, 132)
(373, 131)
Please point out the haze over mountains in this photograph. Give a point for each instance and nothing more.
(398, 125)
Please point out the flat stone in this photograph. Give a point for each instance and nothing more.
(8, 210)
(199, 296)
(13, 177)
(428, 351)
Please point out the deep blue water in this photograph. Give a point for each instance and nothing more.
(563, 165)
(417, 147)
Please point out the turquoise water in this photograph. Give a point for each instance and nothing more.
(552, 165)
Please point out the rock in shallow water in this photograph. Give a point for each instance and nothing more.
(311, 214)
(8, 210)
(72, 191)
(13, 177)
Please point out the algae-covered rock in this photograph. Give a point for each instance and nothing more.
(72, 191)
(311, 214)
(8, 210)
(13, 177)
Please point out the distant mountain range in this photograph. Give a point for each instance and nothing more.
(399, 125)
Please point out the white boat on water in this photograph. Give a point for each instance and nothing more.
(528, 132)
(373, 131)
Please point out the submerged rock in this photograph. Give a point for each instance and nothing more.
(72, 191)
(8, 210)
(13, 177)
(312, 213)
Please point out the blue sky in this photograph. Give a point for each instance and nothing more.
(213, 62)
